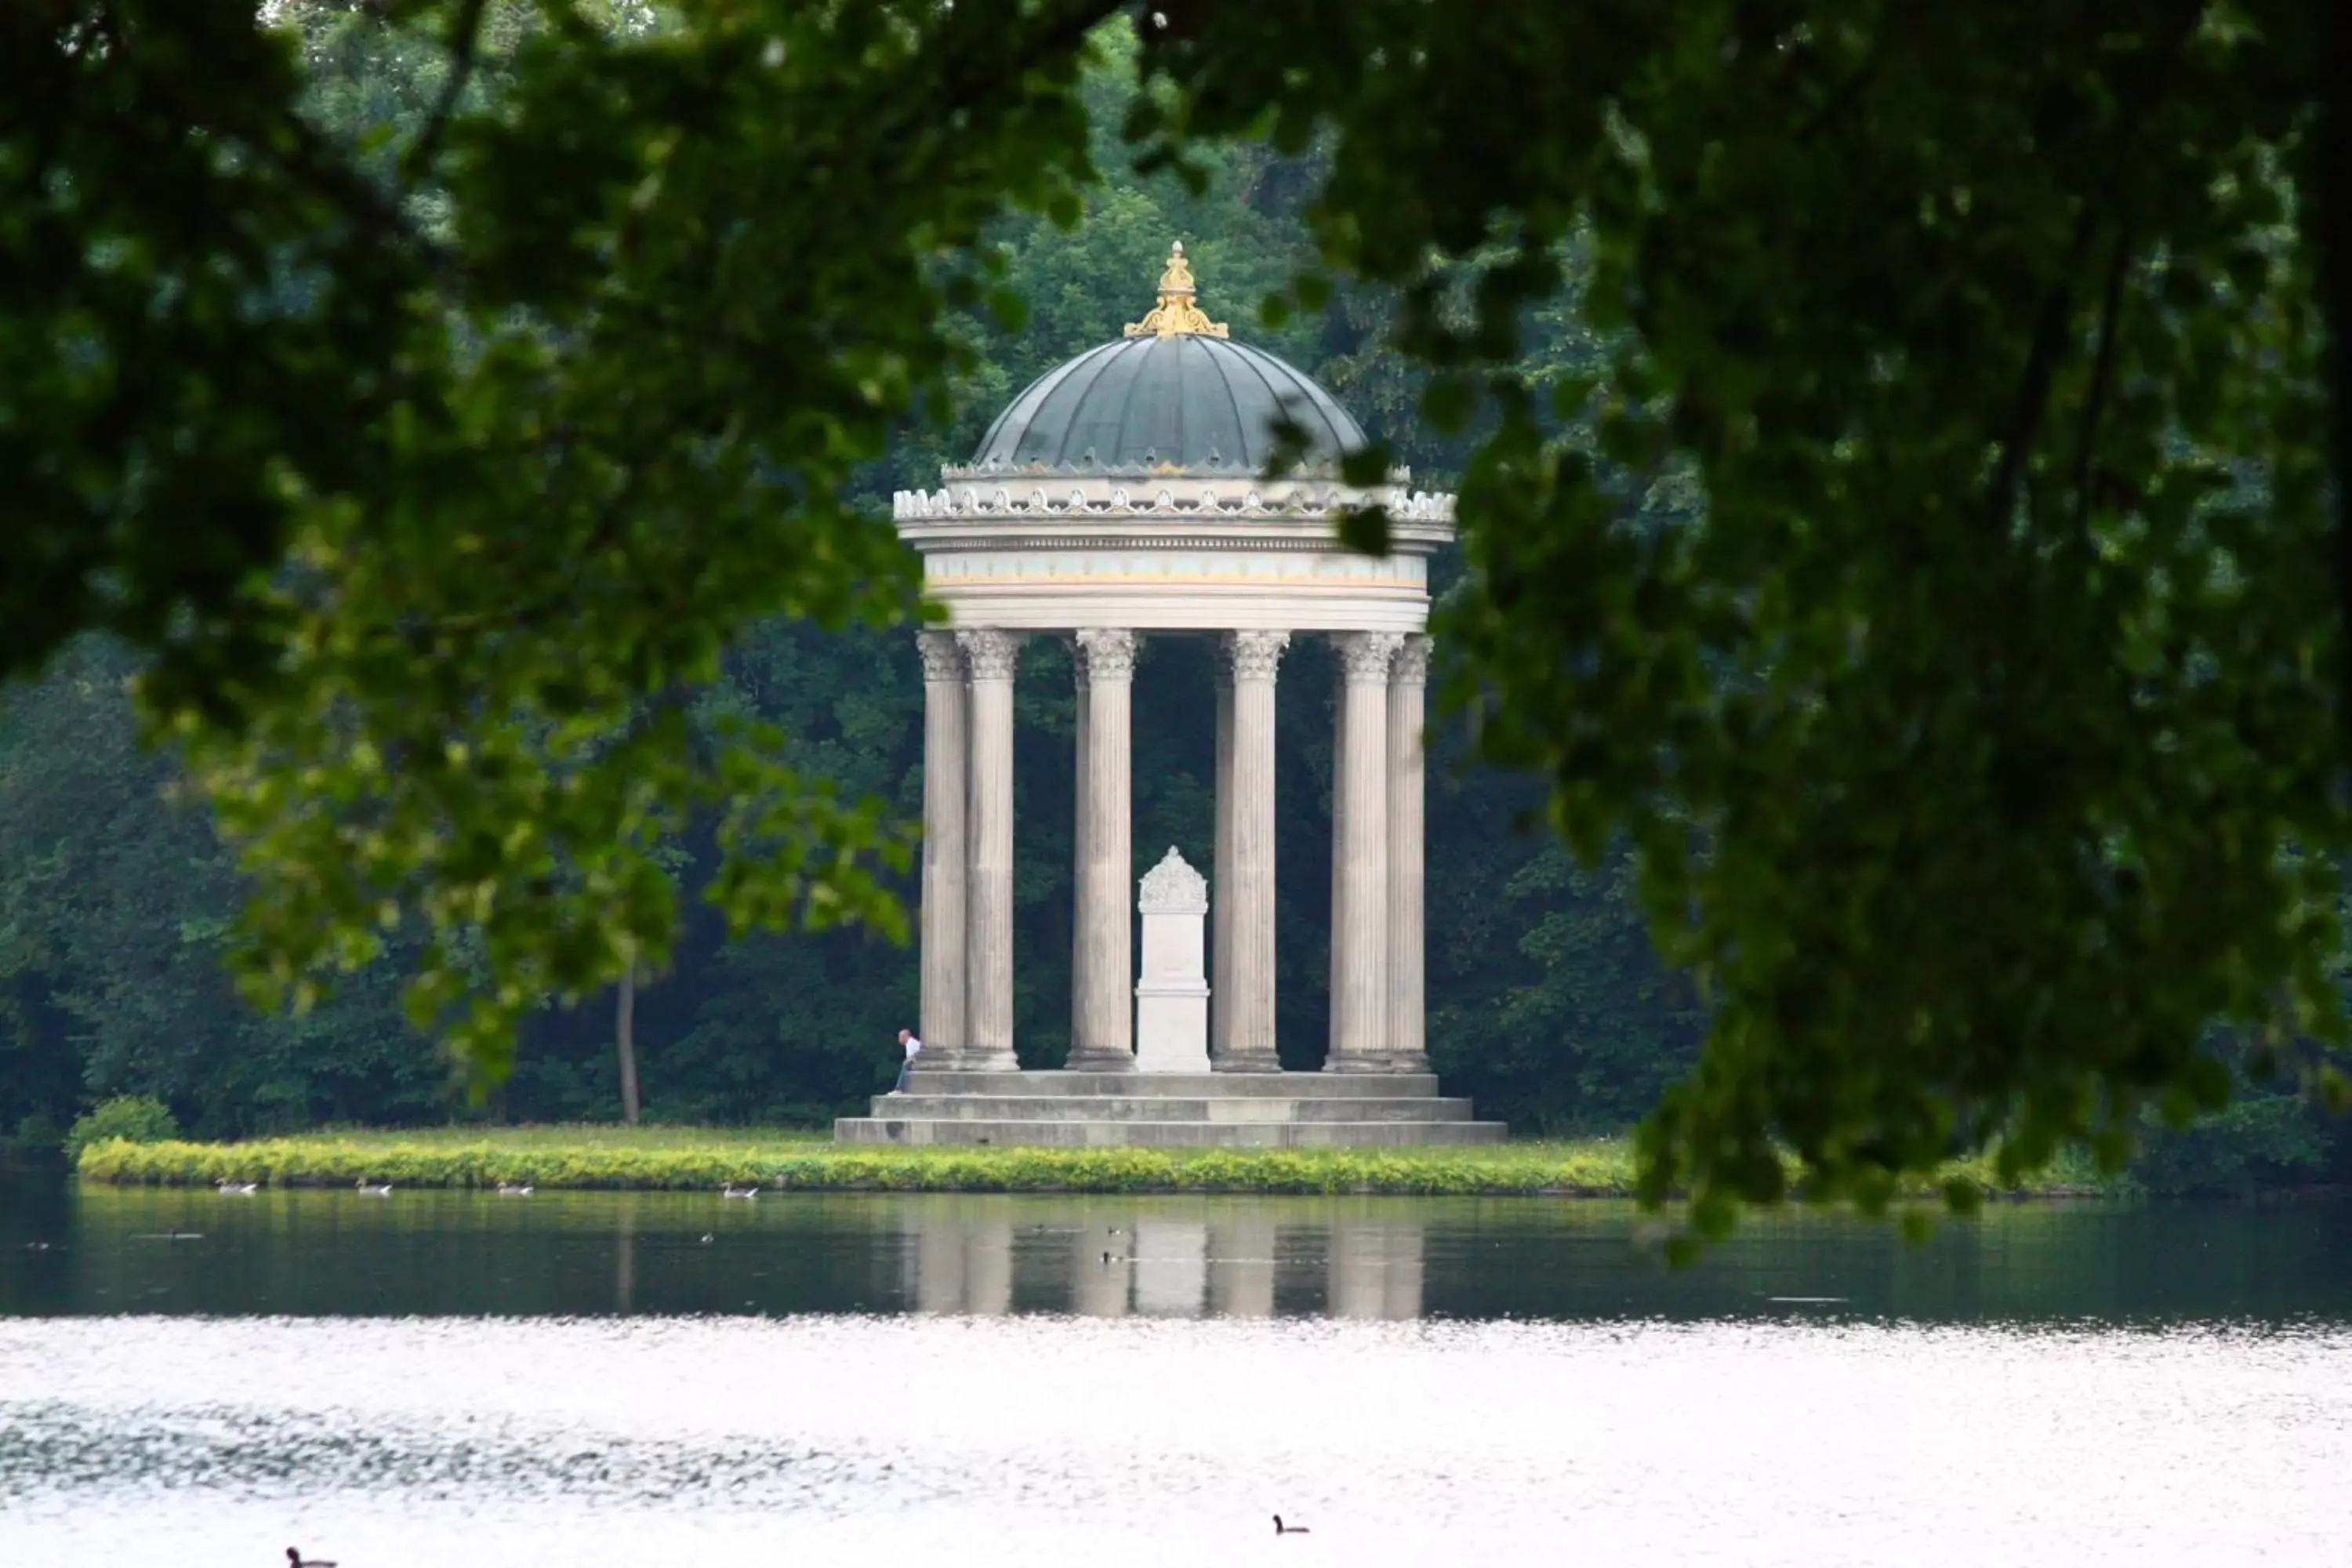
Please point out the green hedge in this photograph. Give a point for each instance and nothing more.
(134, 1118)
(1596, 1167)
(1603, 1167)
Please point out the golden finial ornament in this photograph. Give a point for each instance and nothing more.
(1176, 315)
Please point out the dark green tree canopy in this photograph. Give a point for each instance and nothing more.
(1919, 549)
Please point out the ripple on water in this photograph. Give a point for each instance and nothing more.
(1047, 1439)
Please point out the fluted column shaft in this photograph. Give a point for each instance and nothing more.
(946, 789)
(1360, 827)
(1407, 1003)
(1080, 955)
(1103, 1022)
(1245, 812)
(1220, 870)
(988, 1044)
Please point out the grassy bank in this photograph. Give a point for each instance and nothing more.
(694, 1158)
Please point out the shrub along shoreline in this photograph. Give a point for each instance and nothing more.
(688, 1160)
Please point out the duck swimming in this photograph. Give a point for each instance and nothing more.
(1282, 1529)
(297, 1560)
(372, 1190)
(732, 1191)
(239, 1189)
(508, 1190)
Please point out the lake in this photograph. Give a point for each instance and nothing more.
(655, 1379)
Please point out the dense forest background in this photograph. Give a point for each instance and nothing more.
(1545, 1004)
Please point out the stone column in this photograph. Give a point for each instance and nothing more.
(1359, 881)
(988, 932)
(947, 784)
(1102, 1037)
(1246, 864)
(1221, 869)
(1407, 1000)
(1078, 953)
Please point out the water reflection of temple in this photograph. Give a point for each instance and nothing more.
(986, 1256)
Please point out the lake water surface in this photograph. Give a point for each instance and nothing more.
(656, 1379)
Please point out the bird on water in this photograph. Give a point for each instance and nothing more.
(239, 1189)
(749, 1190)
(373, 1190)
(1282, 1529)
(508, 1190)
(295, 1557)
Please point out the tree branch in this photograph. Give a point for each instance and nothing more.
(464, 44)
(2041, 369)
(2103, 364)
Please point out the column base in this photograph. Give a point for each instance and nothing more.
(1410, 1061)
(987, 1059)
(1353, 1063)
(1245, 1062)
(1099, 1058)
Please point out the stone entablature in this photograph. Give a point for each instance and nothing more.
(1211, 559)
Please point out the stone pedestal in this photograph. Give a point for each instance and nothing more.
(1171, 1000)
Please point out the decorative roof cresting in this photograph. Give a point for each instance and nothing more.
(1176, 315)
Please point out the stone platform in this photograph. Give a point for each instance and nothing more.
(1168, 1111)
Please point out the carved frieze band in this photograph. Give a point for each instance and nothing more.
(942, 658)
(1254, 656)
(994, 655)
(1173, 888)
(1105, 654)
(916, 506)
(1365, 656)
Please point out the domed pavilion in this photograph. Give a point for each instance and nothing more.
(1123, 495)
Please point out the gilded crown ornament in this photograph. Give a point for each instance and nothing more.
(1176, 315)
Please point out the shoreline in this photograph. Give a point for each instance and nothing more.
(688, 1159)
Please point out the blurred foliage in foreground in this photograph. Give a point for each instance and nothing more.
(1919, 552)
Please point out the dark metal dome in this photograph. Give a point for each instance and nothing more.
(1185, 399)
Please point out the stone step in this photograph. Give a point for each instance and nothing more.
(1178, 1084)
(1296, 1106)
(899, 1133)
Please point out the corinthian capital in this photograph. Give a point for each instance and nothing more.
(1365, 656)
(1412, 668)
(994, 654)
(1107, 655)
(1255, 656)
(942, 659)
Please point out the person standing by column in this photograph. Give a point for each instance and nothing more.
(913, 1047)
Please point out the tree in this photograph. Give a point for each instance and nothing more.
(1923, 560)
